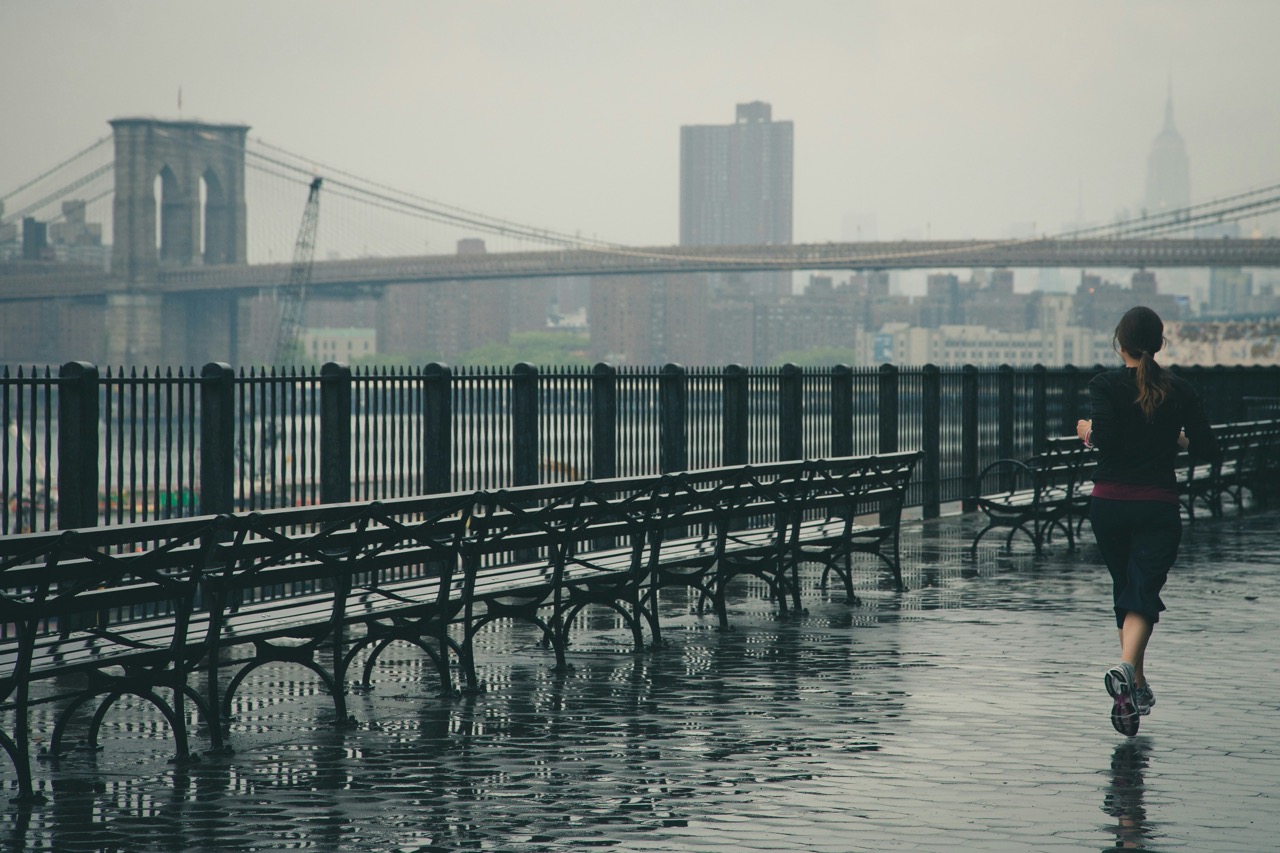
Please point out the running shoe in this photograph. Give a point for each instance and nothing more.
(1124, 712)
(1145, 698)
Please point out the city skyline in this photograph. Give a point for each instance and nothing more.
(926, 119)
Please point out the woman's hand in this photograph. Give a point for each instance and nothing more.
(1183, 441)
(1083, 428)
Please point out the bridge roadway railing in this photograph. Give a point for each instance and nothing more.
(39, 280)
(84, 447)
(621, 260)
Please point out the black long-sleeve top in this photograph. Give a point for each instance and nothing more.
(1137, 451)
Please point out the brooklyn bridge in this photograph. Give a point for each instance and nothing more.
(179, 278)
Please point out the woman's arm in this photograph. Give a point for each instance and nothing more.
(1201, 442)
(1102, 421)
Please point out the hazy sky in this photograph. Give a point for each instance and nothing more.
(946, 118)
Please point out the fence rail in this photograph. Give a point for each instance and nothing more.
(82, 448)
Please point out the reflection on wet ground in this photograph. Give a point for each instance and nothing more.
(966, 713)
(1124, 795)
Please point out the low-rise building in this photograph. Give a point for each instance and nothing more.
(340, 345)
(955, 345)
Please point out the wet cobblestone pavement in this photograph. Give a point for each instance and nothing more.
(967, 713)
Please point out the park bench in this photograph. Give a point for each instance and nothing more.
(1051, 491)
(286, 584)
(715, 525)
(558, 549)
(136, 609)
(1260, 473)
(145, 608)
(1044, 493)
(853, 506)
(1250, 460)
(764, 520)
(90, 603)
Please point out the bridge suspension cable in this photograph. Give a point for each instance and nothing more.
(373, 193)
(1231, 208)
(63, 164)
(91, 181)
(61, 192)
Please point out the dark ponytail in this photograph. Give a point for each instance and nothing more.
(1140, 333)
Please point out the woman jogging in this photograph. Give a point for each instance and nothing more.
(1140, 416)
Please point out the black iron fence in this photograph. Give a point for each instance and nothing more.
(83, 447)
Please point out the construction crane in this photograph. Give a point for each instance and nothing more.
(285, 347)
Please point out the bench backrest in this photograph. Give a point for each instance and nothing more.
(277, 553)
(1064, 464)
(712, 502)
(58, 582)
(849, 487)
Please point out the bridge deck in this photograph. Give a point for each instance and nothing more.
(29, 281)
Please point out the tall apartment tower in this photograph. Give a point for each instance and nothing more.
(1168, 171)
(735, 187)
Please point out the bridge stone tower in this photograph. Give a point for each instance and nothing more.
(183, 155)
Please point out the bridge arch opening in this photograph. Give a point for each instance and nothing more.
(174, 219)
(202, 204)
(215, 206)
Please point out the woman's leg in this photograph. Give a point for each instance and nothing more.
(1114, 534)
(1134, 635)
(1157, 533)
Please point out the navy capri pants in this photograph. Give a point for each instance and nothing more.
(1139, 542)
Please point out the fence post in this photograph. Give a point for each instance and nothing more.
(1005, 418)
(1071, 409)
(437, 418)
(931, 438)
(1219, 379)
(969, 435)
(604, 421)
(888, 409)
(1194, 374)
(1039, 408)
(842, 410)
(335, 433)
(736, 416)
(77, 445)
(524, 425)
(1209, 380)
(1263, 390)
(217, 438)
(1006, 411)
(1252, 375)
(888, 438)
(1239, 382)
(672, 403)
(790, 413)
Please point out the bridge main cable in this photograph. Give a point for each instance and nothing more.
(64, 163)
(401, 201)
(396, 200)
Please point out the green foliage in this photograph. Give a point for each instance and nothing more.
(413, 359)
(818, 357)
(540, 348)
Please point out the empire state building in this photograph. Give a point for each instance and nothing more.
(1168, 174)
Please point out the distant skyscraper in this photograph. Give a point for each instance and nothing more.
(735, 186)
(1168, 173)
